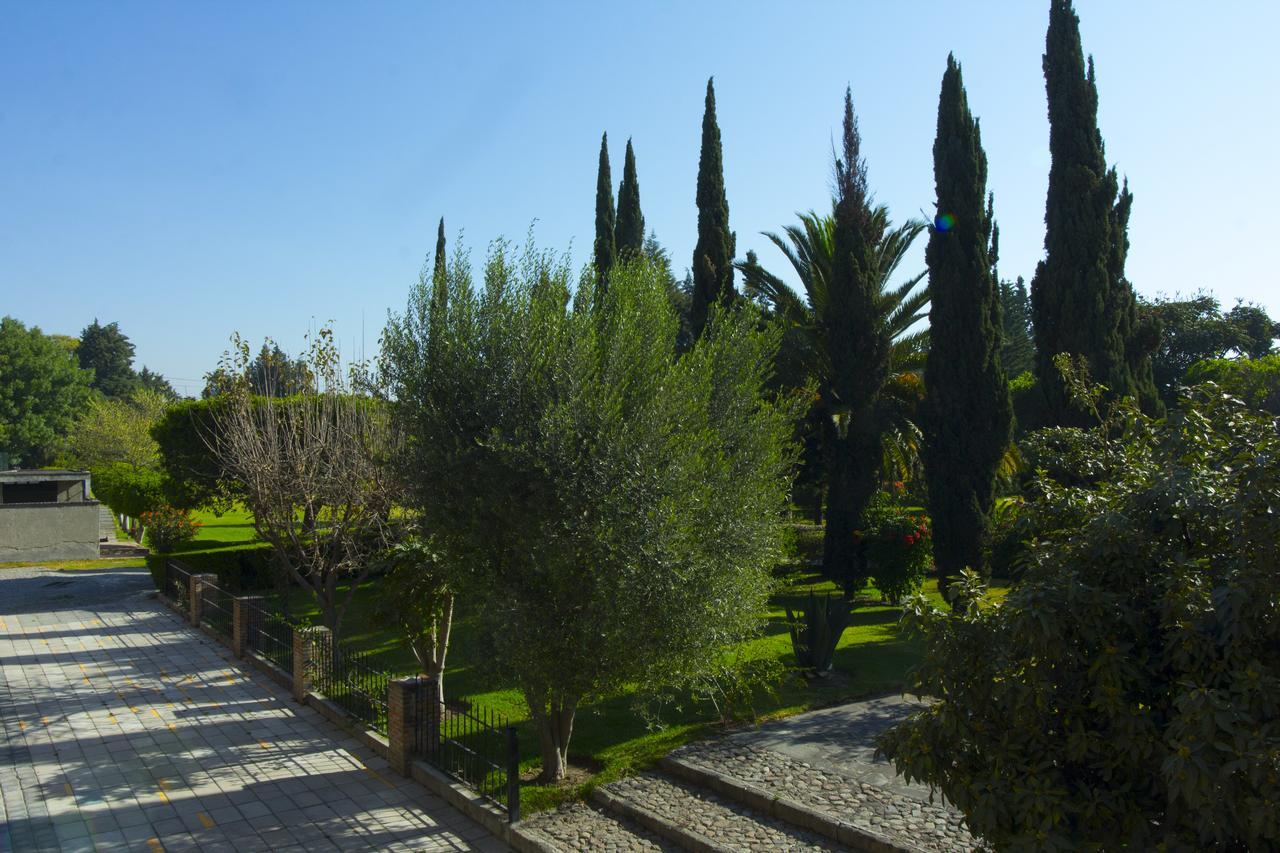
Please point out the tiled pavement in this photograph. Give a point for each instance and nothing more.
(125, 730)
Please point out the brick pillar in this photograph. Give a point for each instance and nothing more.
(403, 696)
(241, 622)
(196, 589)
(306, 643)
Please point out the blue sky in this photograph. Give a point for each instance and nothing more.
(195, 169)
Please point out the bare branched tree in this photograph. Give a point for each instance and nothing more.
(313, 470)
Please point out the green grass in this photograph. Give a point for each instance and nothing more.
(609, 737)
(82, 565)
(871, 659)
(232, 529)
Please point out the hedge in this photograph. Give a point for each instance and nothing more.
(239, 570)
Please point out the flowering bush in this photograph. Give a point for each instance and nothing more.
(167, 528)
(900, 551)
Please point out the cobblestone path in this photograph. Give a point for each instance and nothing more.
(123, 729)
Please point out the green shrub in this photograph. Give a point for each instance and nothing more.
(1011, 536)
(128, 490)
(168, 528)
(1028, 402)
(239, 570)
(1123, 696)
(899, 550)
(1254, 380)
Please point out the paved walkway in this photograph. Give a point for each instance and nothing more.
(124, 729)
(825, 761)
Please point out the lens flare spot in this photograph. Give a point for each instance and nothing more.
(944, 222)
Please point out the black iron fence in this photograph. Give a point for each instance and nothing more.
(216, 609)
(270, 636)
(349, 679)
(476, 746)
(177, 585)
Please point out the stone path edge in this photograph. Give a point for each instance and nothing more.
(689, 840)
(781, 808)
(459, 796)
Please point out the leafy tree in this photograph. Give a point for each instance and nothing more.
(312, 469)
(804, 354)
(184, 436)
(1256, 381)
(618, 509)
(1258, 332)
(1196, 328)
(157, 384)
(42, 389)
(272, 373)
(967, 417)
(417, 596)
(129, 491)
(1017, 350)
(108, 352)
(678, 292)
(713, 254)
(1081, 302)
(1123, 694)
(629, 230)
(606, 250)
(118, 430)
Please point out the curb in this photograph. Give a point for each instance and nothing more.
(786, 810)
(687, 839)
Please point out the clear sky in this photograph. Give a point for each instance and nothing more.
(194, 169)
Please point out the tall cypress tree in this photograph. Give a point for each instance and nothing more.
(1017, 352)
(439, 291)
(629, 230)
(439, 285)
(713, 254)
(606, 253)
(966, 414)
(859, 352)
(1081, 303)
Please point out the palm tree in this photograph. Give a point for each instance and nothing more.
(810, 249)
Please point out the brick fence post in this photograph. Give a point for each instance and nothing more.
(403, 701)
(242, 622)
(307, 643)
(196, 592)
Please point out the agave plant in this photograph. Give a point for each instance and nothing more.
(817, 631)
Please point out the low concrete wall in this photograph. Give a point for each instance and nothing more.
(48, 531)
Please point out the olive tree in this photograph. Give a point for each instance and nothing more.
(1124, 694)
(617, 509)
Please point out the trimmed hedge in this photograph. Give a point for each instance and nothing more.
(239, 570)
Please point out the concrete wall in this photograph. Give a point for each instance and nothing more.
(58, 531)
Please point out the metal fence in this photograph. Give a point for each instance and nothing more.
(477, 746)
(347, 678)
(216, 609)
(177, 585)
(270, 636)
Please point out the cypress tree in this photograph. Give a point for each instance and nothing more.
(859, 354)
(713, 254)
(1080, 300)
(1017, 352)
(606, 253)
(439, 291)
(966, 414)
(629, 230)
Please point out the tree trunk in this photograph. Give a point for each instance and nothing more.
(852, 469)
(554, 721)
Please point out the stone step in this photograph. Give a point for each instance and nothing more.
(582, 827)
(860, 815)
(699, 820)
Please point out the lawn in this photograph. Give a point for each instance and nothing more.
(610, 738)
